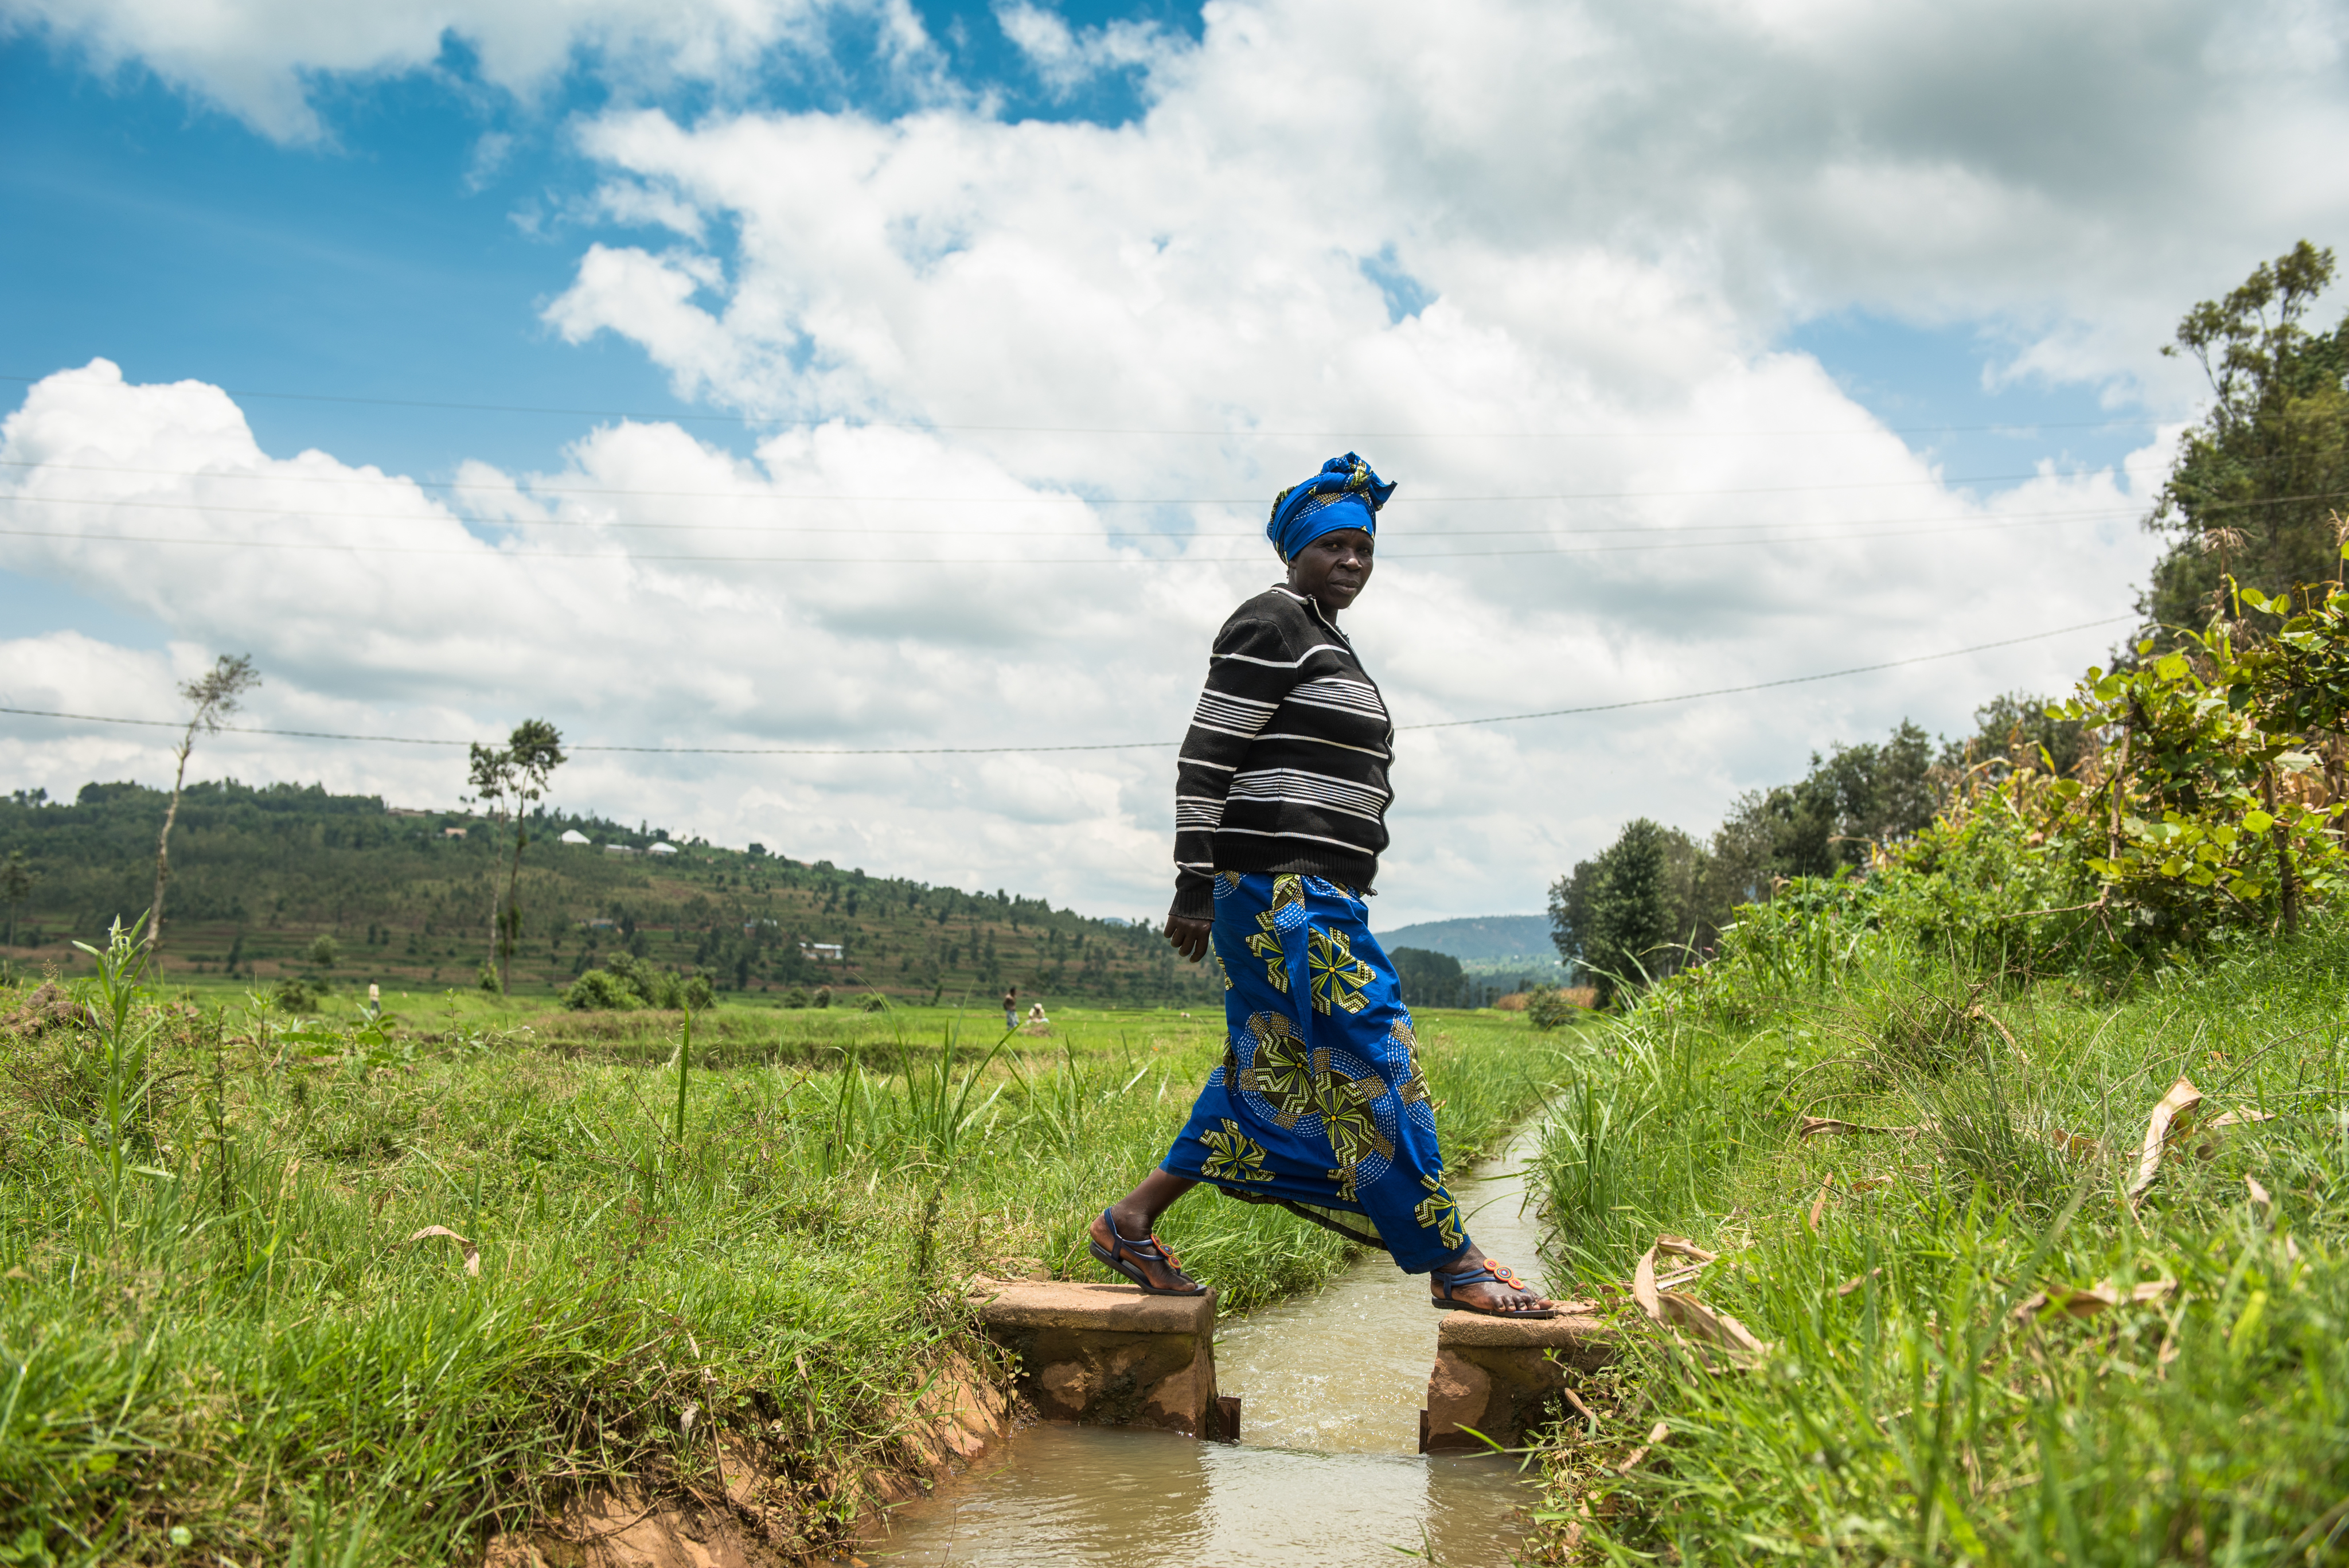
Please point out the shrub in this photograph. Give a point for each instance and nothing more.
(296, 995)
(601, 991)
(796, 997)
(697, 993)
(1548, 1007)
(874, 1001)
(326, 952)
(822, 997)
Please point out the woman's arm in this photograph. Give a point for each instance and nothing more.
(1248, 673)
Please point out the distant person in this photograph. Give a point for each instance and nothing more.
(1012, 1009)
(1280, 799)
(1036, 1014)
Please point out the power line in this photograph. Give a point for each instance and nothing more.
(304, 515)
(827, 498)
(1766, 685)
(624, 557)
(1105, 746)
(1220, 433)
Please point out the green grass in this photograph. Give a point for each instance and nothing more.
(215, 1327)
(1905, 1413)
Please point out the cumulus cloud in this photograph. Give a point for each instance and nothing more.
(1031, 385)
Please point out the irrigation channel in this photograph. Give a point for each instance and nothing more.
(1326, 1471)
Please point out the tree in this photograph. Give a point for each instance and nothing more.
(1626, 917)
(216, 694)
(1429, 978)
(2258, 487)
(16, 880)
(513, 778)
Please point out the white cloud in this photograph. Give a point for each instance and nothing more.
(1613, 487)
(1067, 58)
(260, 59)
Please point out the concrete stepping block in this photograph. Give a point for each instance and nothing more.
(1505, 1376)
(1109, 1355)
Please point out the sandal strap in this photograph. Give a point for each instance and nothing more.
(1447, 1284)
(1150, 1251)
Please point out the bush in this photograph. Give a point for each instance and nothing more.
(822, 997)
(796, 997)
(1548, 1007)
(874, 1001)
(601, 991)
(625, 982)
(295, 996)
(326, 952)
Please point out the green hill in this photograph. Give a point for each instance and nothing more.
(260, 874)
(1479, 937)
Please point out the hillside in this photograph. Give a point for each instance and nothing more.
(1478, 937)
(259, 874)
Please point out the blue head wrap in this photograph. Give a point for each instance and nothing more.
(1344, 494)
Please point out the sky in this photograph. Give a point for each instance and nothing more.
(877, 396)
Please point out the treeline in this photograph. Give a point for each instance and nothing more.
(1656, 900)
(2253, 510)
(260, 873)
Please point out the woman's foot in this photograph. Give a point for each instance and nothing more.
(1121, 1240)
(1502, 1296)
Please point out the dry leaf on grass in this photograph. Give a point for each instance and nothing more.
(473, 1253)
(2174, 1112)
(2259, 1193)
(1656, 1436)
(2222, 1124)
(1857, 1281)
(1819, 1204)
(2092, 1300)
(1674, 1310)
(2080, 1146)
(1812, 1126)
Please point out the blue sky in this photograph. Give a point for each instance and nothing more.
(267, 214)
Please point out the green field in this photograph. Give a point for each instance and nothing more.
(221, 1343)
(1929, 1395)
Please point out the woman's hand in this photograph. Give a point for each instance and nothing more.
(1189, 936)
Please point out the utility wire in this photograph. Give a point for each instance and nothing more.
(1220, 433)
(622, 556)
(1103, 746)
(834, 498)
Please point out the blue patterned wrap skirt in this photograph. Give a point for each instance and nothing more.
(1320, 1103)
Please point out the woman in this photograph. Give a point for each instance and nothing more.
(1280, 801)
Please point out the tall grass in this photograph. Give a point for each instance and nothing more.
(1907, 1413)
(219, 1324)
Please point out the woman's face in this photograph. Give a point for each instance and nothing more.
(1333, 569)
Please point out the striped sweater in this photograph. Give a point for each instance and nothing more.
(1285, 767)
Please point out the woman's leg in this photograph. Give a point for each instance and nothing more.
(1136, 1215)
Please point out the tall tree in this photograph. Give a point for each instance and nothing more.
(490, 775)
(16, 880)
(510, 780)
(1622, 916)
(2260, 486)
(217, 693)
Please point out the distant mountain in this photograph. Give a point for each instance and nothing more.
(1478, 937)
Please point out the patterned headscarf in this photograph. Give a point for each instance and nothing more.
(1344, 494)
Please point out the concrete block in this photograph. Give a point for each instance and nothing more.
(1504, 1375)
(1109, 1355)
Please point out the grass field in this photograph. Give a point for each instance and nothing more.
(220, 1341)
(1939, 1387)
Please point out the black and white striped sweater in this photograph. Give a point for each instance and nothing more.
(1285, 767)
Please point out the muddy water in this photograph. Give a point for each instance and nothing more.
(1326, 1471)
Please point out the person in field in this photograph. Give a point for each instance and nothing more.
(1280, 801)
